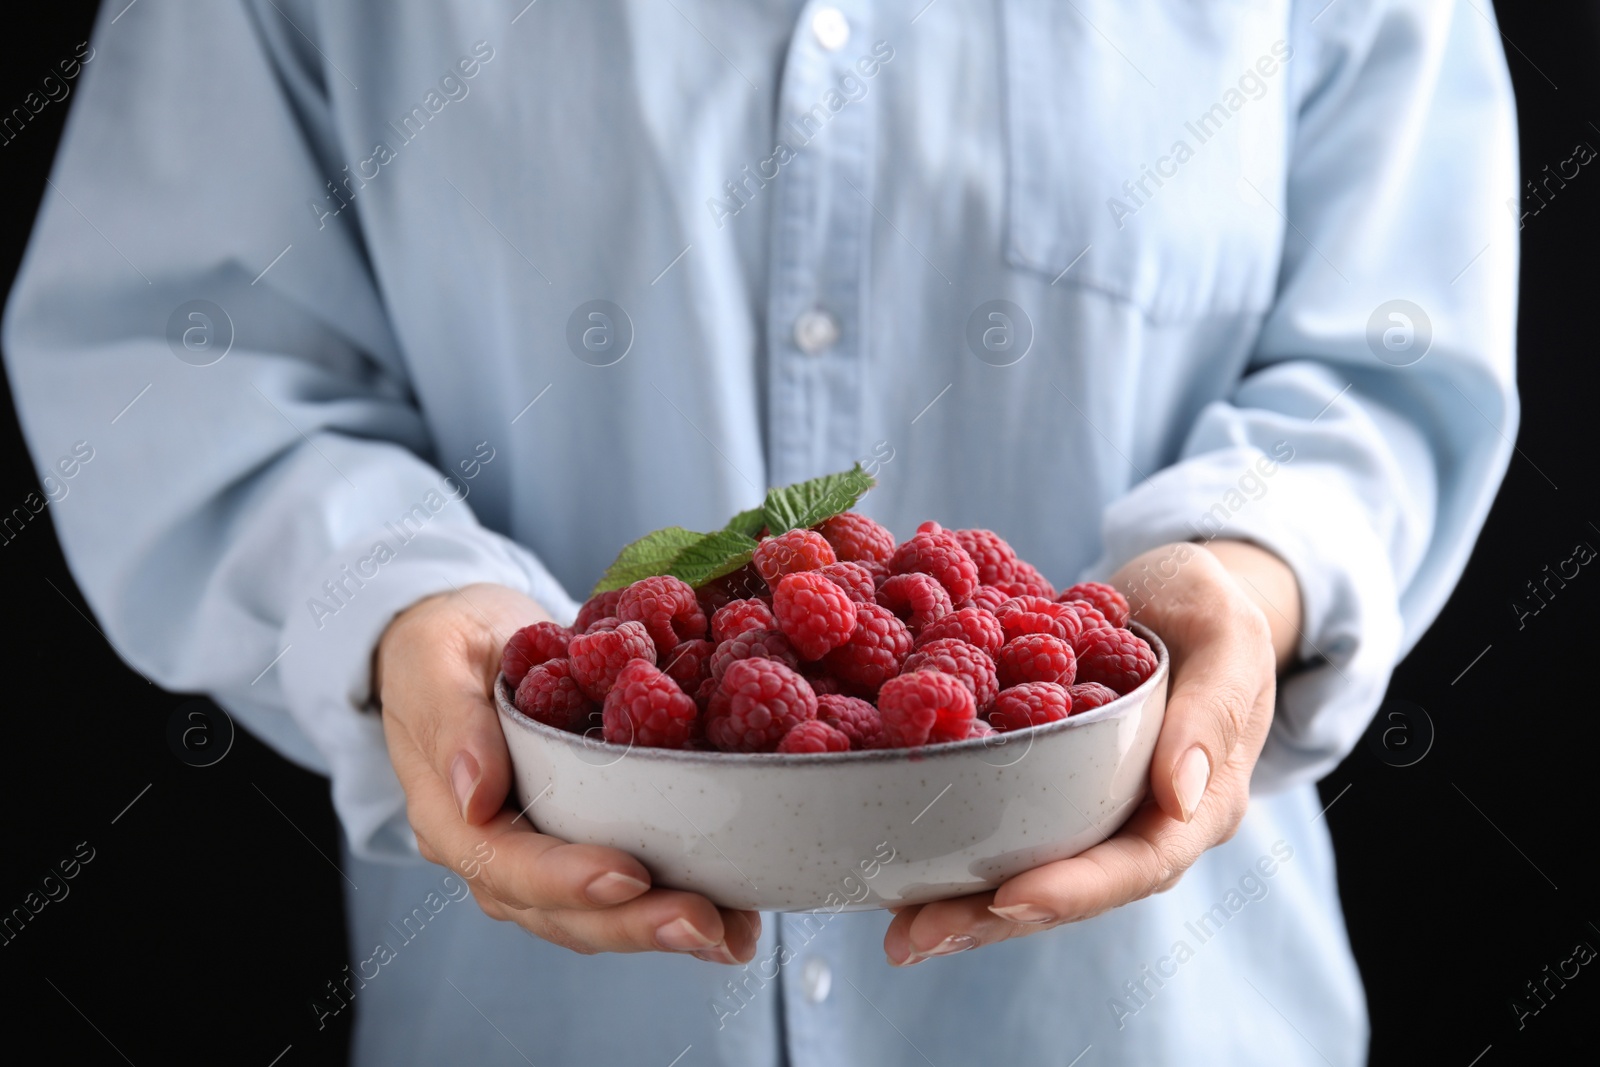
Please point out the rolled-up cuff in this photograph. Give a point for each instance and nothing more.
(331, 634)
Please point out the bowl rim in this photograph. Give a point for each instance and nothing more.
(1116, 709)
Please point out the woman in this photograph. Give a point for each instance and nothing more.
(1215, 298)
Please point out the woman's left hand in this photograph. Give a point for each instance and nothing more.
(1229, 613)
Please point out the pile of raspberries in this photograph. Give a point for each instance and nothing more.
(831, 639)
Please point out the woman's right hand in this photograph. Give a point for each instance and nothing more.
(434, 673)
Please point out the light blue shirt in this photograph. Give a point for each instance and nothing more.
(355, 302)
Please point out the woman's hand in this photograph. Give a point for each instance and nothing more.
(1229, 613)
(434, 671)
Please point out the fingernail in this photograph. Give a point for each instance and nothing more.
(909, 960)
(679, 935)
(614, 887)
(464, 776)
(719, 954)
(1023, 913)
(949, 946)
(1189, 780)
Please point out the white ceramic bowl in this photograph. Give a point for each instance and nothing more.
(847, 830)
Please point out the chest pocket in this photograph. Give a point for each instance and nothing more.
(1147, 145)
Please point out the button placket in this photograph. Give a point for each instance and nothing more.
(816, 979)
(830, 27)
(821, 225)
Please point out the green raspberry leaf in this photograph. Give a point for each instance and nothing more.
(749, 522)
(650, 555)
(712, 556)
(803, 504)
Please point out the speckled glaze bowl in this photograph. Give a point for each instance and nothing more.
(846, 831)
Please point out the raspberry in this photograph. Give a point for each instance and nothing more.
(987, 597)
(821, 681)
(702, 695)
(667, 608)
(816, 615)
(996, 560)
(855, 537)
(1027, 581)
(814, 736)
(610, 622)
(878, 570)
(1117, 659)
(595, 608)
(645, 707)
(756, 644)
(857, 719)
(597, 658)
(1112, 604)
(980, 728)
(797, 550)
(689, 663)
(955, 657)
(742, 584)
(975, 626)
(925, 707)
(916, 599)
(937, 552)
(1035, 658)
(549, 695)
(872, 655)
(1086, 696)
(531, 646)
(1030, 704)
(739, 616)
(854, 579)
(1029, 614)
(764, 701)
(1089, 616)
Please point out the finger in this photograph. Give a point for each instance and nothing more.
(1147, 853)
(741, 930)
(947, 927)
(1215, 688)
(897, 939)
(662, 920)
(511, 862)
(465, 744)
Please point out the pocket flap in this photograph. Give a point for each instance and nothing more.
(1147, 144)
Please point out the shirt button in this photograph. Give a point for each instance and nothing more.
(815, 331)
(831, 28)
(817, 980)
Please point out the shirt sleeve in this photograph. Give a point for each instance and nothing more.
(1366, 441)
(262, 496)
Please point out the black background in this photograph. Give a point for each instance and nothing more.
(207, 918)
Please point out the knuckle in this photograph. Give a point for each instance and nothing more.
(1172, 857)
(1233, 813)
(424, 849)
(489, 905)
(546, 927)
(1228, 706)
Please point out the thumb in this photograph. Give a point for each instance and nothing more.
(436, 668)
(1209, 706)
(470, 749)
